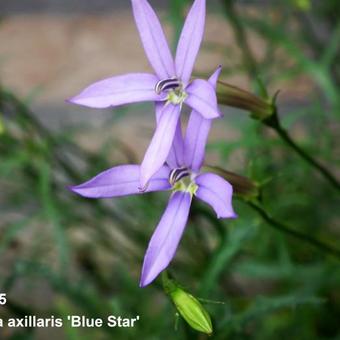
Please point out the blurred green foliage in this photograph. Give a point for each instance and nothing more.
(62, 255)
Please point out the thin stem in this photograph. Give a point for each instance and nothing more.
(251, 67)
(42, 131)
(7, 98)
(275, 124)
(297, 234)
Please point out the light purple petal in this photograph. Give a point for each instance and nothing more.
(153, 39)
(217, 192)
(195, 140)
(176, 154)
(190, 41)
(197, 134)
(121, 181)
(202, 98)
(161, 143)
(159, 107)
(164, 242)
(214, 77)
(119, 90)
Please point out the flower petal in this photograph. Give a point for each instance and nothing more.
(153, 39)
(214, 77)
(202, 98)
(197, 134)
(164, 241)
(190, 41)
(161, 143)
(176, 154)
(217, 192)
(159, 107)
(195, 140)
(121, 181)
(119, 90)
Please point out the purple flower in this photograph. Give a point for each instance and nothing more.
(169, 88)
(182, 175)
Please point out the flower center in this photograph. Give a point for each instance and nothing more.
(181, 180)
(174, 88)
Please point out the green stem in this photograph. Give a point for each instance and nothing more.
(297, 234)
(275, 124)
(7, 99)
(251, 67)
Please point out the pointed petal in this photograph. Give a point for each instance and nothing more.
(161, 143)
(217, 192)
(119, 90)
(153, 39)
(197, 134)
(214, 77)
(164, 242)
(202, 98)
(176, 154)
(121, 181)
(190, 41)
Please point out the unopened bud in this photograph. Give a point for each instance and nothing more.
(230, 95)
(188, 306)
(243, 186)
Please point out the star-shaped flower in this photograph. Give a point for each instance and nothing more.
(169, 87)
(182, 174)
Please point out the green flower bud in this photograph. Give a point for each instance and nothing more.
(192, 311)
(188, 306)
(230, 95)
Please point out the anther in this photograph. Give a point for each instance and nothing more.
(167, 84)
(177, 174)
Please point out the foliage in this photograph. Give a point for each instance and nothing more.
(275, 268)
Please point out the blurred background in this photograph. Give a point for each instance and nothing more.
(62, 254)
